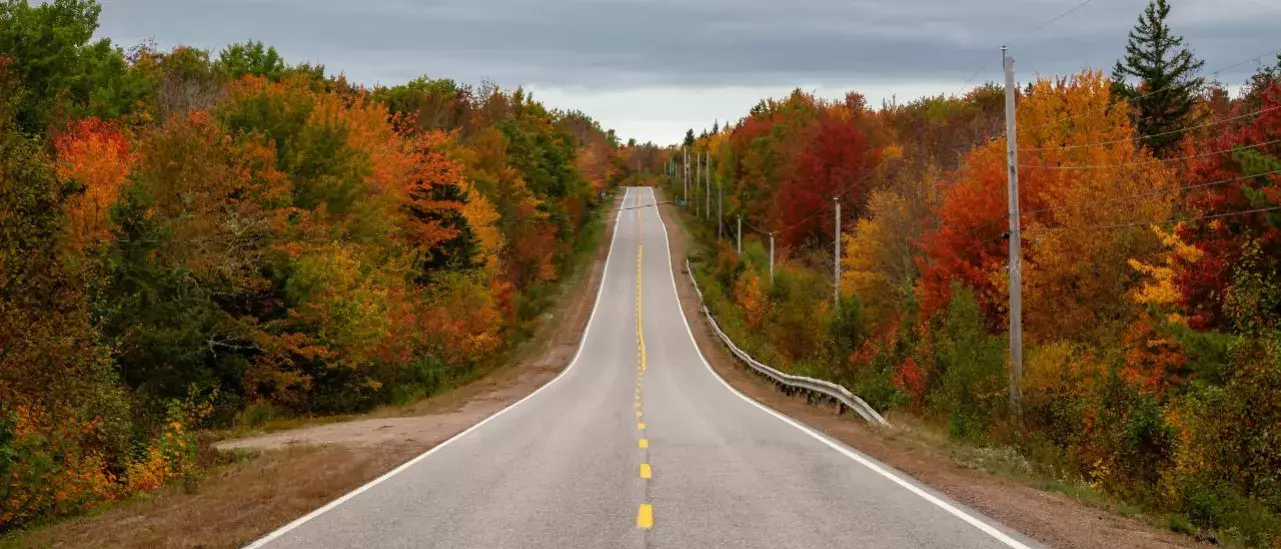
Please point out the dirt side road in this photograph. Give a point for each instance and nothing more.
(1048, 517)
(302, 469)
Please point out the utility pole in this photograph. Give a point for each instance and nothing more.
(771, 258)
(707, 190)
(685, 157)
(1016, 277)
(740, 234)
(698, 181)
(836, 261)
(720, 211)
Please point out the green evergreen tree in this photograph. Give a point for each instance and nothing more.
(689, 137)
(1167, 85)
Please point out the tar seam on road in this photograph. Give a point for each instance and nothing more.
(600, 288)
(983, 526)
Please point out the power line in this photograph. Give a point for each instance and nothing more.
(1171, 132)
(1164, 221)
(1146, 162)
(639, 207)
(1048, 23)
(1215, 73)
(1020, 37)
(1151, 194)
(976, 74)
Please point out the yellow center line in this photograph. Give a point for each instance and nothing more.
(645, 516)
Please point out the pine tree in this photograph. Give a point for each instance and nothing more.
(1166, 70)
(689, 137)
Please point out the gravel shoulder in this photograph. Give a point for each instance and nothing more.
(1049, 517)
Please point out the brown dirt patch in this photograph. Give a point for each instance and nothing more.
(235, 504)
(1049, 517)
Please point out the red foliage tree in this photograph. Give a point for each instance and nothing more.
(835, 161)
(1203, 283)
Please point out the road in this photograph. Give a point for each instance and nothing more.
(639, 444)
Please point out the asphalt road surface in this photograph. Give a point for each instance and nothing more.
(638, 443)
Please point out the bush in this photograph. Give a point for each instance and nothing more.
(1056, 380)
(1222, 507)
(419, 379)
(846, 331)
(257, 414)
(970, 391)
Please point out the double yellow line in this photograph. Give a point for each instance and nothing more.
(644, 515)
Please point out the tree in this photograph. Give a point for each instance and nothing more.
(57, 66)
(93, 156)
(689, 138)
(253, 58)
(1167, 88)
(835, 160)
(63, 417)
(1205, 282)
(1079, 230)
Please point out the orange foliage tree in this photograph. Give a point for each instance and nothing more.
(96, 156)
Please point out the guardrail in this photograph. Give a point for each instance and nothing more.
(791, 384)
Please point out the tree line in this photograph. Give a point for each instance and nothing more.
(1151, 215)
(191, 239)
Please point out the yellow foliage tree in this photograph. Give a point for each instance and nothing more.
(1092, 189)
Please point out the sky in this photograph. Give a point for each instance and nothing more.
(650, 69)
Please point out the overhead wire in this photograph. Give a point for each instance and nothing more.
(1150, 194)
(1163, 221)
(1162, 134)
(1146, 162)
(1025, 34)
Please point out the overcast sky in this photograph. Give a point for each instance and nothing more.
(652, 68)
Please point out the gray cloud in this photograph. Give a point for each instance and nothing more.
(609, 46)
(628, 43)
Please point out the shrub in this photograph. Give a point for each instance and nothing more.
(970, 391)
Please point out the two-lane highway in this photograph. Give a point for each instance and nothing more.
(639, 443)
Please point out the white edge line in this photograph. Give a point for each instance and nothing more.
(263, 541)
(985, 527)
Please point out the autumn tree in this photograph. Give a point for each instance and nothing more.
(1239, 192)
(834, 163)
(195, 229)
(1168, 84)
(64, 419)
(880, 264)
(1086, 190)
(95, 157)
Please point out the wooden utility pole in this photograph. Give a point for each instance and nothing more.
(1016, 277)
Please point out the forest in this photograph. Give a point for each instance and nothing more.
(193, 239)
(1150, 210)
